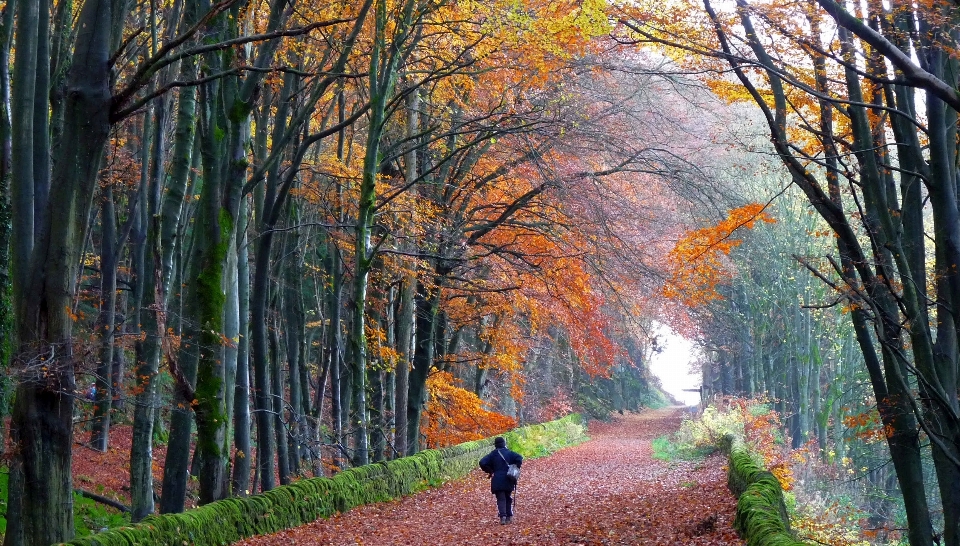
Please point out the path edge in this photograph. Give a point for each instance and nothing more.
(226, 521)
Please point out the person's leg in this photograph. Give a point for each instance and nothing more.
(509, 495)
(503, 506)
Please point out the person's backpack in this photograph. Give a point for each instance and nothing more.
(513, 471)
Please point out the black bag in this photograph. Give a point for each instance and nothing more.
(513, 471)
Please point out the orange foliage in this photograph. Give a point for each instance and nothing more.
(697, 259)
(761, 431)
(867, 427)
(455, 415)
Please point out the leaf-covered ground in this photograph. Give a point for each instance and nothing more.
(108, 473)
(607, 491)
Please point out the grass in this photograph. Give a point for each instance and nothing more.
(536, 442)
(667, 450)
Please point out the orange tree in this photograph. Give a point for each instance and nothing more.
(455, 415)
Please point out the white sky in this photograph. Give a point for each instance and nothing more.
(672, 365)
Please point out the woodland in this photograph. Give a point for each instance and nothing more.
(246, 242)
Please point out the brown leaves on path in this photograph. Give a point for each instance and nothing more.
(608, 491)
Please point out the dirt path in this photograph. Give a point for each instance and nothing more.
(606, 491)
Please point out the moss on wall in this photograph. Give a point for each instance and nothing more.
(226, 521)
(761, 517)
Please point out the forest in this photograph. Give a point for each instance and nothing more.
(247, 242)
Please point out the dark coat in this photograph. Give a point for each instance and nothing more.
(494, 464)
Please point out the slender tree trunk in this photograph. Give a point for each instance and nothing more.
(22, 117)
(405, 313)
(377, 422)
(335, 346)
(293, 335)
(231, 332)
(241, 412)
(99, 435)
(276, 368)
(41, 119)
(163, 243)
(177, 463)
(426, 315)
(267, 214)
(261, 362)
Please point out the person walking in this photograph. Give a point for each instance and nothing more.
(495, 464)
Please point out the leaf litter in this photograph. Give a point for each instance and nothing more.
(607, 491)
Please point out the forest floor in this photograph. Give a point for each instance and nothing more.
(607, 491)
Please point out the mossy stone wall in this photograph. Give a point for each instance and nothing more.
(227, 521)
(761, 517)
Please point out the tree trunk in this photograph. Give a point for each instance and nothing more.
(241, 412)
(6, 305)
(205, 299)
(231, 334)
(276, 367)
(22, 116)
(41, 119)
(41, 425)
(426, 314)
(100, 434)
(405, 329)
(261, 361)
(293, 335)
(267, 214)
(162, 243)
(335, 345)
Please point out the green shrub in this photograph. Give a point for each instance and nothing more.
(709, 429)
(653, 399)
(229, 520)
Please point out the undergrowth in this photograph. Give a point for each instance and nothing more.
(752, 431)
(668, 450)
(89, 517)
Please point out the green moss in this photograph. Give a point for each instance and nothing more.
(211, 414)
(761, 517)
(239, 111)
(230, 520)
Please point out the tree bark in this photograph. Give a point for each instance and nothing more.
(276, 368)
(241, 412)
(103, 403)
(293, 335)
(41, 425)
(22, 117)
(426, 315)
(6, 131)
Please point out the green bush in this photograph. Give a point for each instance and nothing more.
(230, 520)
(709, 429)
(595, 407)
